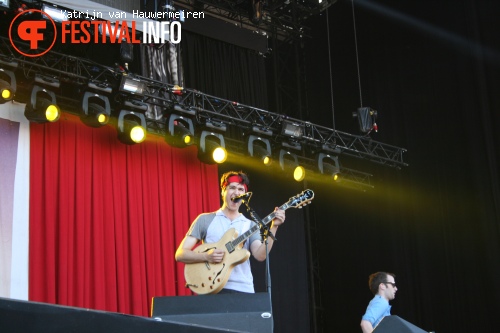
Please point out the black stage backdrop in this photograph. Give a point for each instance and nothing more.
(224, 70)
(432, 70)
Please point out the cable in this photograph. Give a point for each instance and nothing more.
(357, 55)
(330, 66)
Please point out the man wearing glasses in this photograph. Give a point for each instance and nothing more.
(383, 286)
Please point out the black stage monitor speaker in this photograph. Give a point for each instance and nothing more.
(34, 317)
(233, 312)
(395, 324)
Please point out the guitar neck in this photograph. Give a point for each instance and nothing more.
(266, 220)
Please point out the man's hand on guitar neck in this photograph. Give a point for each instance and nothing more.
(257, 248)
(279, 217)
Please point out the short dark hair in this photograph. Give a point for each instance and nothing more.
(224, 179)
(375, 279)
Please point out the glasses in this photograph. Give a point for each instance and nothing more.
(391, 283)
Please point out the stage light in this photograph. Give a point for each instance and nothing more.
(328, 165)
(7, 85)
(131, 127)
(287, 159)
(289, 164)
(57, 14)
(6, 92)
(292, 129)
(42, 106)
(260, 148)
(180, 132)
(211, 148)
(96, 109)
(132, 85)
(5, 4)
(299, 173)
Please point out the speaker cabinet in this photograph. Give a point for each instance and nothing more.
(34, 317)
(395, 324)
(233, 312)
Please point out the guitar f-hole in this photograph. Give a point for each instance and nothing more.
(219, 273)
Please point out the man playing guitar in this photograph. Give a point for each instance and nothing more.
(210, 227)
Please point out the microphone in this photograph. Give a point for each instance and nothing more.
(241, 197)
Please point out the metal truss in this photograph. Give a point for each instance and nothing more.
(234, 113)
(205, 108)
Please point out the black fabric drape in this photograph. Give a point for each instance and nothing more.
(223, 70)
(432, 71)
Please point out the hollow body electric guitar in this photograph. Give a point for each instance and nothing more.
(210, 278)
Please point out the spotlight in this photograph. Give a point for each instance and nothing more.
(57, 14)
(260, 148)
(299, 173)
(4, 4)
(42, 106)
(132, 85)
(7, 85)
(328, 165)
(96, 109)
(292, 129)
(180, 132)
(131, 127)
(211, 148)
(289, 163)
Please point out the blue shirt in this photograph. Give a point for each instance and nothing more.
(377, 309)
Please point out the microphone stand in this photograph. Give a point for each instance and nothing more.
(266, 232)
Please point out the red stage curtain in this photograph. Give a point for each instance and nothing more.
(106, 218)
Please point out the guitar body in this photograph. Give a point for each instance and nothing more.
(209, 278)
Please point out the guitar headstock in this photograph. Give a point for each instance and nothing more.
(301, 199)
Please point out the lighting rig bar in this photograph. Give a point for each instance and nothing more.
(62, 65)
(204, 107)
(356, 179)
(213, 108)
(350, 178)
